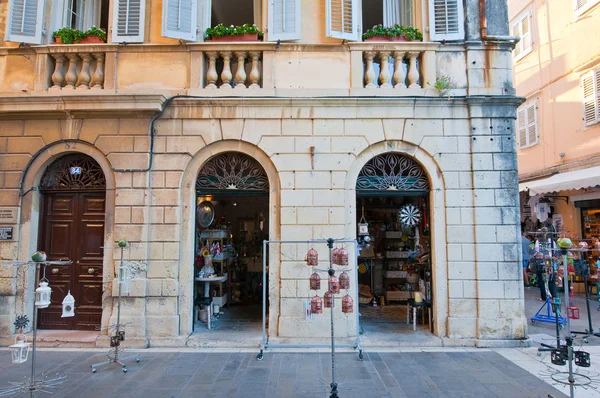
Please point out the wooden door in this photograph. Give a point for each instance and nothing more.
(72, 228)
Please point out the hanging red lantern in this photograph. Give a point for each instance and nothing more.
(347, 304)
(344, 281)
(342, 257)
(315, 281)
(328, 299)
(312, 258)
(335, 256)
(316, 305)
(334, 284)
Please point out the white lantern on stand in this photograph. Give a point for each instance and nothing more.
(42, 295)
(20, 350)
(68, 306)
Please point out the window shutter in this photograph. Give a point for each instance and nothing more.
(516, 31)
(522, 129)
(180, 19)
(526, 33)
(26, 18)
(532, 129)
(128, 21)
(446, 20)
(284, 20)
(204, 13)
(580, 4)
(342, 19)
(590, 97)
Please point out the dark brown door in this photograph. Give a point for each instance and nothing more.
(72, 228)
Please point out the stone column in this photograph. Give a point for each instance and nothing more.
(58, 77)
(398, 69)
(211, 73)
(71, 76)
(369, 71)
(226, 75)
(254, 72)
(384, 73)
(84, 75)
(240, 74)
(98, 77)
(413, 71)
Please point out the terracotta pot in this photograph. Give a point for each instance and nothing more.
(234, 38)
(92, 39)
(57, 40)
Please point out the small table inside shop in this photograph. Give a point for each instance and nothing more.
(207, 282)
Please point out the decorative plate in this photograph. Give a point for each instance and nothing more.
(409, 215)
(205, 214)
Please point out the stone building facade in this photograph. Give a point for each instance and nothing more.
(155, 114)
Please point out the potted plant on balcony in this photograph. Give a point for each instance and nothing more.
(221, 33)
(74, 36)
(394, 33)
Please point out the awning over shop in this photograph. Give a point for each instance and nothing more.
(570, 180)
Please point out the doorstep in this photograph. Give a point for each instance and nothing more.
(66, 338)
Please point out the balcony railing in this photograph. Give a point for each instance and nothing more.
(82, 71)
(247, 67)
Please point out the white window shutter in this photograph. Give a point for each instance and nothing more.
(532, 125)
(580, 4)
(342, 19)
(516, 31)
(25, 21)
(446, 20)
(590, 98)
(128, 21)
(284, 20)
(526, 33)
(180, 19)
(521, 125)
(204, 16)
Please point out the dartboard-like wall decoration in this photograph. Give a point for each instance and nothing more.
(409, 215)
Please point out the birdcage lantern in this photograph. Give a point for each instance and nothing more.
(344, 281)
(42, 295)
(342, 257)
(312, 257)
(335, 255)
(20, 350)
(316, 305)
(328, 300)
(333, 284)
(315, 281)
(347, 304)
(68, 306)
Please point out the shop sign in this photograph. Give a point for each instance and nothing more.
(8, 215)
(6, 233)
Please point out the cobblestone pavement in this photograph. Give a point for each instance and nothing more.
(199, 374)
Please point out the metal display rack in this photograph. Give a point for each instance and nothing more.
(265, 342)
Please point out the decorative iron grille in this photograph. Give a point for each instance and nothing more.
(392, 172)
(72, 172)
(232, 171)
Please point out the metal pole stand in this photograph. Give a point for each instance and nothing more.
(119, 336)
(331, 272)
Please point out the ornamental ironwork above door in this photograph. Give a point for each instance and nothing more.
(232, 171)
(73, 172)
(392, 172)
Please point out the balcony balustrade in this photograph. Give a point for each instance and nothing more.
(81, 71)
(246, 64)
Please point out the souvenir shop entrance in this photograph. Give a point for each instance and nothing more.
(394, 265)
(231, 223)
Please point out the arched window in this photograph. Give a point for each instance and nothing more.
(73, 172)
(392, 172)
(230, 172)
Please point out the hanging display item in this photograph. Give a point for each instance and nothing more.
(347, 304)
(20, 350)
(39, 256)
(363, 225)
(334, 284)
(343, 257)
(205, 214)
(316, 305)
(335, 255)
(409, 215)
(312, 257)
(344, 281)
(68, 306)
(315, 281)
(328, 300)
(42, 295)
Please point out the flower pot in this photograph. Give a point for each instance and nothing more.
(57, 40)
(386, 38)
(234, 38)
(91, 39)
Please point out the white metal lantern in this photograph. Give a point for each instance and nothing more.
(20, 350)
(68, 306)
(42, 295)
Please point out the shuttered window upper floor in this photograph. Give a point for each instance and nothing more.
(187, 20)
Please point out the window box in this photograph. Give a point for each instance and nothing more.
(234, 38)
(387, 38)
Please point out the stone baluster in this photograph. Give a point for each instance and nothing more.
(71, 76)
(413, 72)
(369, 71)
(384, 73)
(98, 77)
(58, 77)
(211, 74)
(254, 72)
(226, 75)
(399, 76)
(240, 74)
(84, 78)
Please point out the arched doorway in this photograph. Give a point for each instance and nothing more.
(393, 209)
(72, 218)
(232, 220)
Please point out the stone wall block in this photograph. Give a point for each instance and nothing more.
(487, 270)
(485, 197)
(272, 145)
(313, 215)
(293, 162)
(509, 271)
(109, 144)
(288, 288)
(506, 197)
(393, 129)
(330, 127)
(490, 308)
(296, 232)
(494, 328)
(13, 162)
(462, 307)
(486, 251)
(505, 161)
(122, 215)
(454, 162)
(511, 251)
(255, 129)
(454, 252)
(12, 179)
(164, 197)
(164, 233)
(297, 127)
(470, 289)
(168, 127)
(288, 215)
(330, 162)
(297, 197)
(130, 197)
(162, 270)
(8, 287)
(486, 234)
(141, 144)
(461, 270)
(459, 198)
(129, 161)
(487, 179)
(328, 197)
(313, 180)
(460, 234)
(210, 130)
(173, 179)
(321, 144)
(171, 162)
(189, 145)
(172, 215)
(170, 288)
(30, 145)
(170, 250)
(134, 126)
(91, 129)
(131, 233)
(462, 328)
(232, 129)
(490, 289)
(483, 161)
(416, 129)
(457, 127)
(14, 128)
(371, 129)
(488, 215)
(437, 145)
(162, 326)
(455, 289)
(328, 231)
(507, 233)
(337, 215)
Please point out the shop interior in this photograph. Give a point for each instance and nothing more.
(228, 275)
(394, 265)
